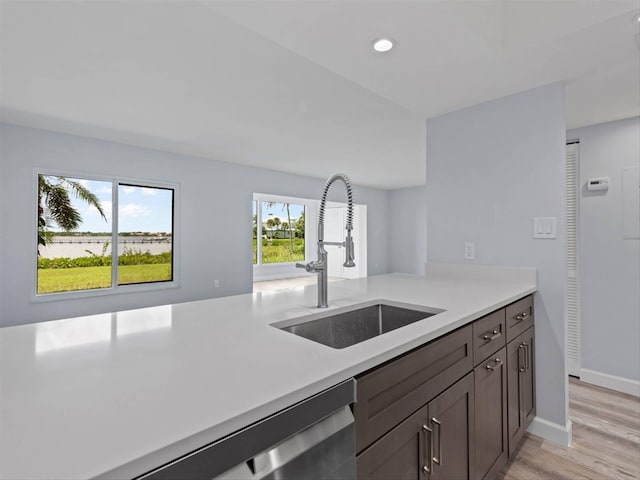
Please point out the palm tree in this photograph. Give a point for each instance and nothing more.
(54, 205)
(299, 225)
(270, 224)
(289, 226)
(276, 224)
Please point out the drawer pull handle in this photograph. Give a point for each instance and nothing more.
(493, 335)
(521, 348)
(526, 355)
(438, 459)
(520, 317)
(426, 469)
(497, 363)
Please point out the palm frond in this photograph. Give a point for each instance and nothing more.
(60, 208)
(55, 206)
(84, 194)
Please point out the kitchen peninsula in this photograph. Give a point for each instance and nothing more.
(118, 394)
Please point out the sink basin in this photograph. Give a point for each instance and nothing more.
(350, 325)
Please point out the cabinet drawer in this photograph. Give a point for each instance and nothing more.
(489, 335)
(392, 392)
(519, 317)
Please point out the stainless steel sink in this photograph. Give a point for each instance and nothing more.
(347, 326)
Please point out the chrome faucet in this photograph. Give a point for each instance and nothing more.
(320, 266)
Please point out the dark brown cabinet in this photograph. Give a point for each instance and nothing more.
(489, 335)
(451, 419)
(436, 442)
(519, 317)
(520, 386)
(491, 415)
(401, 454)
(390, 393)
(429, 414)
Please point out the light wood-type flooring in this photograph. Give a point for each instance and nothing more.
(605, 444)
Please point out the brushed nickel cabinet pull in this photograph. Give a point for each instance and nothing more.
(526, 356)
(495, 333)
(426, 469)
(521, 367)
(521, 316)
(438, 459)
(497, 363)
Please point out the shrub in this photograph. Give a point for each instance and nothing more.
(128, 257)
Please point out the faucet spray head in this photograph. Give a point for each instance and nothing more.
(348, 251)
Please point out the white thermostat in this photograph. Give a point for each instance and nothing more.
(598, 184)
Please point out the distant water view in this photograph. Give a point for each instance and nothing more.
(77, 246)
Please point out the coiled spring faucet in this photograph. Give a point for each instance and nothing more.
(320, 266)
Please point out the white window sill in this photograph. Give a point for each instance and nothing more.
(100, 292)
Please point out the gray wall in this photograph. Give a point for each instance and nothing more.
(208, 189)
(408, 230)
(491, 168)
(609, 265)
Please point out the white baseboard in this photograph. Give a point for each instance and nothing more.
(619, 384)
(554, 432)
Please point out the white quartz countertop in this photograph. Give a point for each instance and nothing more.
(117, 394)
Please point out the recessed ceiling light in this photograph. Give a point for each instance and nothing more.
(382, 45)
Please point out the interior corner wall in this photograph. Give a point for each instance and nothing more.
(608, 263)
(491, 168)
(408, 230)
(212, 193)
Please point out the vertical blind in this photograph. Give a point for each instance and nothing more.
(573, 292)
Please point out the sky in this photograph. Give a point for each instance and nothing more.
(279, 210)
(140, 209)
(145, 209)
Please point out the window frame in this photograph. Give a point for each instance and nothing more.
(114, 289)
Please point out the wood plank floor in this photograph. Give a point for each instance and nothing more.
(605, 445)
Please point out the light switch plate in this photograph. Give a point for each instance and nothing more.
(469, 251)
(544, 227)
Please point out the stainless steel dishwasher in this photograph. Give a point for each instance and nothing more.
(311, 440)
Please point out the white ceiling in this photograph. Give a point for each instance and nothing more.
(294, 85)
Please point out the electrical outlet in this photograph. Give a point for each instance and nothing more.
(469, 251)
(216, 283)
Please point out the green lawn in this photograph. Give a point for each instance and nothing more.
(279, 250)
(52, 280)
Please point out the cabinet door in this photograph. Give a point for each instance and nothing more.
(491, 415)
(528, 396)
(451, 418)
(400, 454)
(390, 393)
(515, 366)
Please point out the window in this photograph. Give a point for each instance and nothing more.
(282, 231)
(81, 219)
(283, 234)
